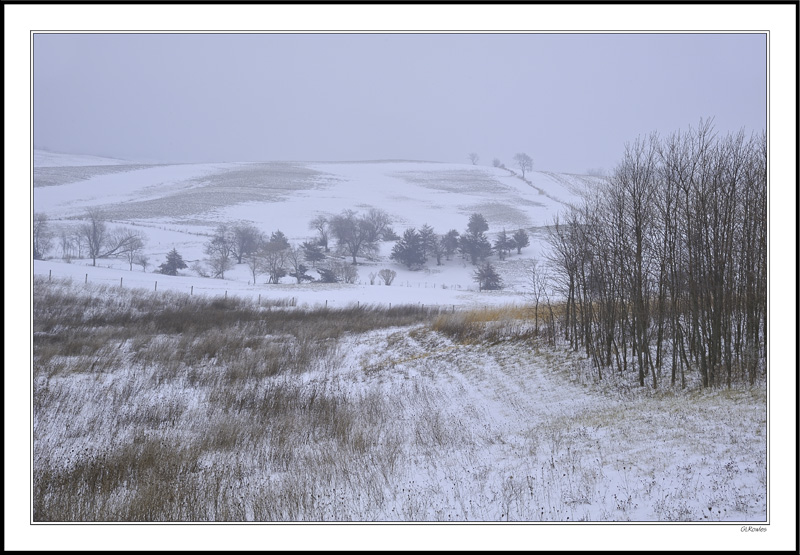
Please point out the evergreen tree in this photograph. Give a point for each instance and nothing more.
(312, 251)
(409, 249)
(450, 243)
(279, 239)
(437, 249)
(520, 238)
(487, 277)
(475, 247)
(326, 275)
(173, 264)
(426, 237)
(474, 243)
(300, 274)
(503, 245)
(477, 224)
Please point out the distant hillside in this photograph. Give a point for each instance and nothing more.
(287, 195)
(44, 158)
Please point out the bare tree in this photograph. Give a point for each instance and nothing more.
(321, 225)
(245, 240)
(42, 235)
(219, 250)
(355, 235)
(473, 157)
(664, 266)
(537, 285)
(255, 264)
(142, 260)
(295, 260)
(524, 162)
(635, 183)
(65, 241)
(344, 272)
(94, 233)
(102, 243)
(132, 243)
(377, 223)
(78, 242)
(387, 275)
(273, 254)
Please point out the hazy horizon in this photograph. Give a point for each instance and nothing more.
(570, 101)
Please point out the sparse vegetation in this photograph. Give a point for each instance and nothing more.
(224, 410)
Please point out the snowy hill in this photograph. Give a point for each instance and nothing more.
(47, 159)
(179, 206)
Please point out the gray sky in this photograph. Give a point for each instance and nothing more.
(570, 101)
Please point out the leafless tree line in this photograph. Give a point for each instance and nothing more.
(92, 238)
(665, 268)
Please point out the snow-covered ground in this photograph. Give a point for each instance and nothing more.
(398, 424)
(489, 432)
(178, 206)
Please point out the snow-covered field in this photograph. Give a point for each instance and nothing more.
(180, 205)
(512, 431)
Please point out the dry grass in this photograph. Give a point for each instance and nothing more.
(488, 325)
(137, 394)
(169, 408)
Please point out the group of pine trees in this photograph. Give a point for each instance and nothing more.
(665, 268)
(416, 247)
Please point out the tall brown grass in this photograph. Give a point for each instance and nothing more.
(146, 404)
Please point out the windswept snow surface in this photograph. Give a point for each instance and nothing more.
(515, 433)
(180, 206)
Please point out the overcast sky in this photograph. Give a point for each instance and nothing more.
(570, 101)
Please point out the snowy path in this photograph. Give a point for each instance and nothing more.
(501, 432)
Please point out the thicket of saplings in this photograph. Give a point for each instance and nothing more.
(665, 269)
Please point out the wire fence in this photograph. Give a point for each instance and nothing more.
(271, 300)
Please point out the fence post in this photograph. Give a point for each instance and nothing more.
(191, 291)
(50, 277)
(226, 293)
(86, 279)
(120, 282)
(259, 299)
(155, 288)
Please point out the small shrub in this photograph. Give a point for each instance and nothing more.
(387, 275)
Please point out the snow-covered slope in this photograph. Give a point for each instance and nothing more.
(179, 205)
(47, 159)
